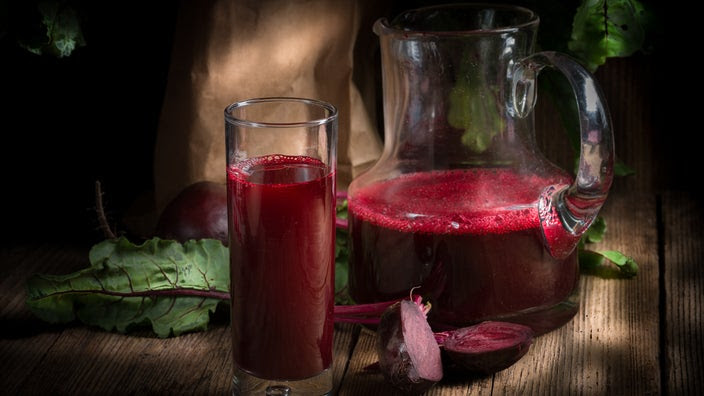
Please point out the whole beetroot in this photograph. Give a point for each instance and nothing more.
(198, 211)
(409, 357)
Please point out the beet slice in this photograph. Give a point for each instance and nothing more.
(409, 356)
(487, 347)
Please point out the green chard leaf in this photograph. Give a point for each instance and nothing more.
(607, 28)
(607, 264)
(473, 107)
(596, 231)
(60, 33)
(600, 29)
(621, 169)
(627, 266)
(342, 258)
(172, 286)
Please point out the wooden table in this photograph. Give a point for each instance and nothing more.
(631, 337)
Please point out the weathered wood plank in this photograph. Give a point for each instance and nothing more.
(86, 360)
(682, 219)
(611, 346)
(24, 340)
(89, 361)
(346, 336)
(627, 86)
(362, 381)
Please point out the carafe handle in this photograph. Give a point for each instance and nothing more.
(567, 211)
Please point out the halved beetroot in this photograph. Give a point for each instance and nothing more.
(409, 357)
(487, 347)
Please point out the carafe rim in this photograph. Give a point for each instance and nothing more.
(384, 27)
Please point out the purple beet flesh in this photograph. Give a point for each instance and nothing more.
(487, 347)
(409, 356)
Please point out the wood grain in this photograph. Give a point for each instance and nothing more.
(346, 336)
(24, 339)
(627, 84)
(611, 346)
(359, 379)
(683, 262)
(89, 361)
(85, 360)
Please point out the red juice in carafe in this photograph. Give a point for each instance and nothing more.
(282, 266)
(470, 238)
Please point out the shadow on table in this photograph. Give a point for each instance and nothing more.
(16, 328)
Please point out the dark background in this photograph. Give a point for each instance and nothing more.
(93, 116)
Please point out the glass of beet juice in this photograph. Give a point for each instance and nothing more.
(281, 161)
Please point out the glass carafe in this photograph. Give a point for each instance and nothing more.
(461, 202)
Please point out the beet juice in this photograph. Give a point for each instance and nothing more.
(282, 266)
(470, 238)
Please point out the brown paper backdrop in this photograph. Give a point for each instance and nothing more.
(225, 51)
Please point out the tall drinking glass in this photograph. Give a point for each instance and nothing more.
(281, 162)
